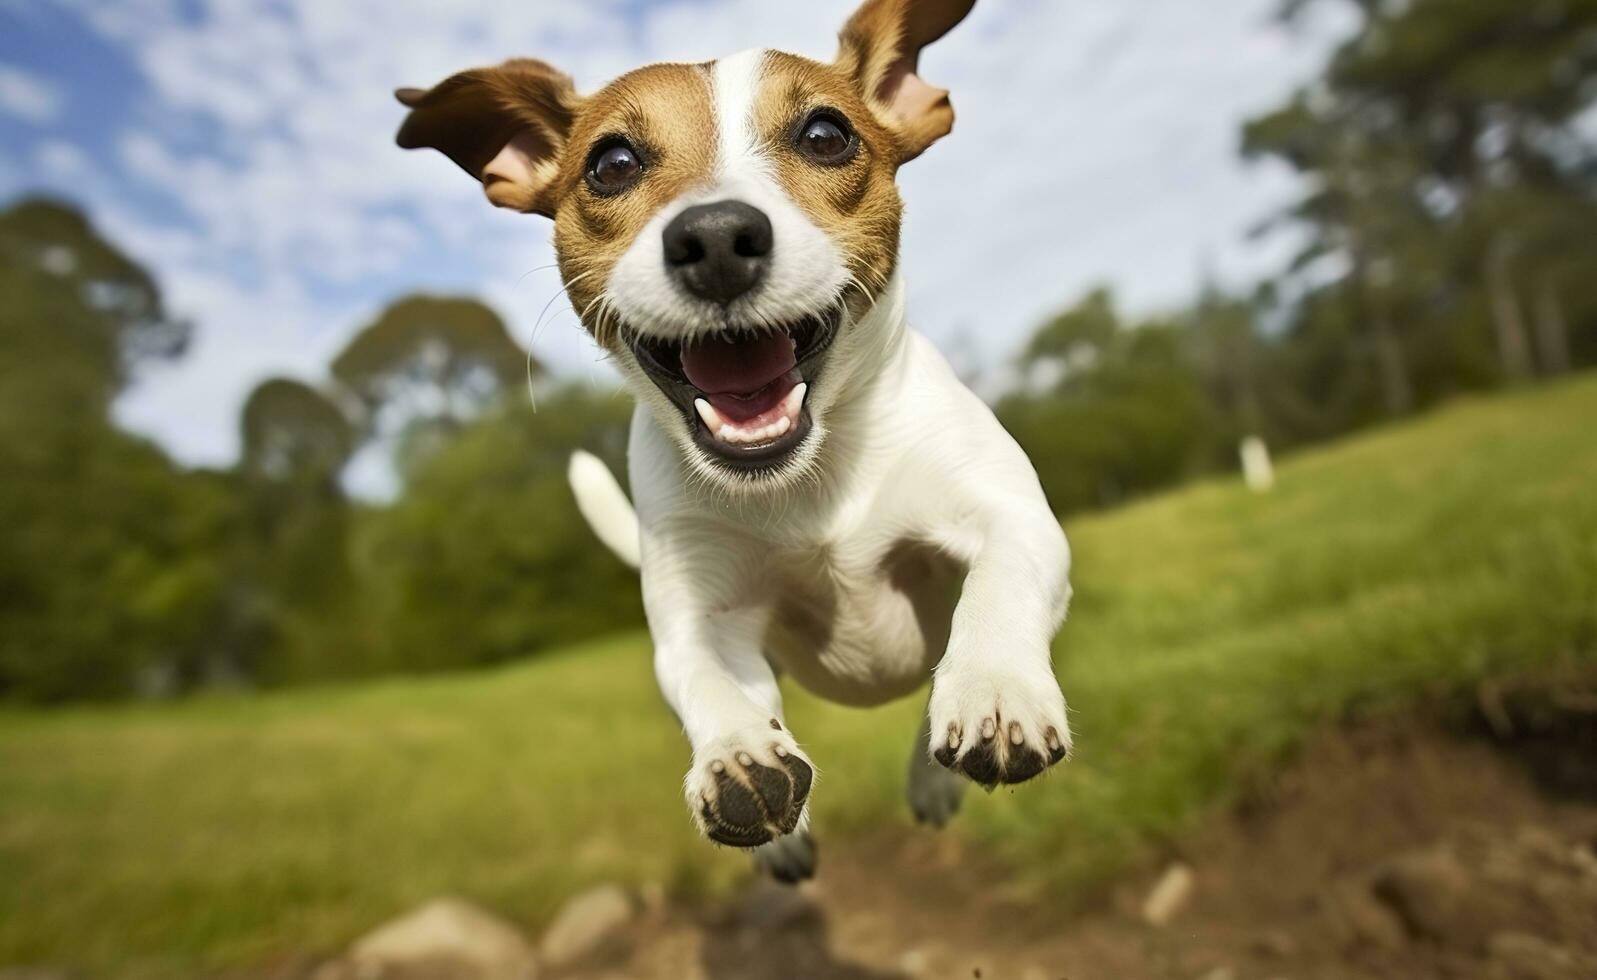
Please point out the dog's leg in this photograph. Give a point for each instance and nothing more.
(749, 783)
(997, 714)
(790, 858)
(934, 792)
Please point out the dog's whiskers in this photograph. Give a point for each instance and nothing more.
(565, 288)
(540, 268)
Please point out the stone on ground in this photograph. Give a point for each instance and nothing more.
(445, 939)
(586, 926)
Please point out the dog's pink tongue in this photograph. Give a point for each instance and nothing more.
(742, 366)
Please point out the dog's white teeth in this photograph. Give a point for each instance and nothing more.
(731, 433)
(745, 437)
(794, 401)
(707, 412)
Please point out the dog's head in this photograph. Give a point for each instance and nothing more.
(724, 229)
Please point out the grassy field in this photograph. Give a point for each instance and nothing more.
(1212, 629)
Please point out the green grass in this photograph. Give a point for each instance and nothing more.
(1212, 629)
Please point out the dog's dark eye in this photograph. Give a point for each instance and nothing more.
(825, 139)
(613, 167)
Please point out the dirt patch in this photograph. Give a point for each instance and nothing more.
(1450, 843)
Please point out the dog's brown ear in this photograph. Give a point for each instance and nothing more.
(506, 126)
(880, 46)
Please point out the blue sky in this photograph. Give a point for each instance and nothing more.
(243, 150)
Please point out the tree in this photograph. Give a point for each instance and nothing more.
(1367, 220)
(110, 575)
(427, 366)
(1111, 408)
(293, 585)
(1453, 117)
(485, 557)
(129, 323)
(292, 432)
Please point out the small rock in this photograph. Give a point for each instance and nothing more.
(585, 925)
(1584, 858)
(1355, 918)
(447, 937)
(652, 895)
(1275, 944)
(1430, 892)
(1170, 894)
(915, 962)
(1521, 956)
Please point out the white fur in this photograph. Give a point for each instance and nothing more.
(901, 457)
(605, 507)
(911, 455)
(737, 83)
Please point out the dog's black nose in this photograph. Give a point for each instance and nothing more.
(719, 251)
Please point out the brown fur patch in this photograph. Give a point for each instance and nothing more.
(879, 48)
(472, 115)
(856, 204)
(668, 113)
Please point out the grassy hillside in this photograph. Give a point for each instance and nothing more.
(1212, 628)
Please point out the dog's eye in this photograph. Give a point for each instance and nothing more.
(826, 139)
(613, 167)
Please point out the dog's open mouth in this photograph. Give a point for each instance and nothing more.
(742, 390)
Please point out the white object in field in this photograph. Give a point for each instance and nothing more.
(1169, 895)
(1257, 472)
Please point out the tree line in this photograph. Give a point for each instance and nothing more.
(1445, 246)
(122, 574)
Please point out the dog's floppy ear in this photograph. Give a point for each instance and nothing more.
(880, 46)
(506, 126)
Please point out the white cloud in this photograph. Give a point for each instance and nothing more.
(28, 96)
(1096, 141)
(61, 160)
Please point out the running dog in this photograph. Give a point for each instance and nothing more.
(816, 492)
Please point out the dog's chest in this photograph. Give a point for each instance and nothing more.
(860, 623)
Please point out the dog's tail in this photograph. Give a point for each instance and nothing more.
(605, 505)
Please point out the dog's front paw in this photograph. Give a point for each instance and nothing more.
(745, 791)
(995, 727)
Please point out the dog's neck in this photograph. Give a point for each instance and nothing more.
(872, 350)
(867, 371)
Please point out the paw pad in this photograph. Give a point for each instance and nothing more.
(990, 760)
(748, 803)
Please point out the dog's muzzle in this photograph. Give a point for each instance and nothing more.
(744, 390)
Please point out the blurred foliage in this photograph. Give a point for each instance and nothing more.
(122, 574)
(486, 557)
(426, 367)
(1119, 411)
(1450, 171)
(1448, 165)
(290, 431)
(108, 578)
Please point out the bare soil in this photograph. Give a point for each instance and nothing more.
(1450, 843)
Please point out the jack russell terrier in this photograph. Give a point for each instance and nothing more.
(816, 492)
